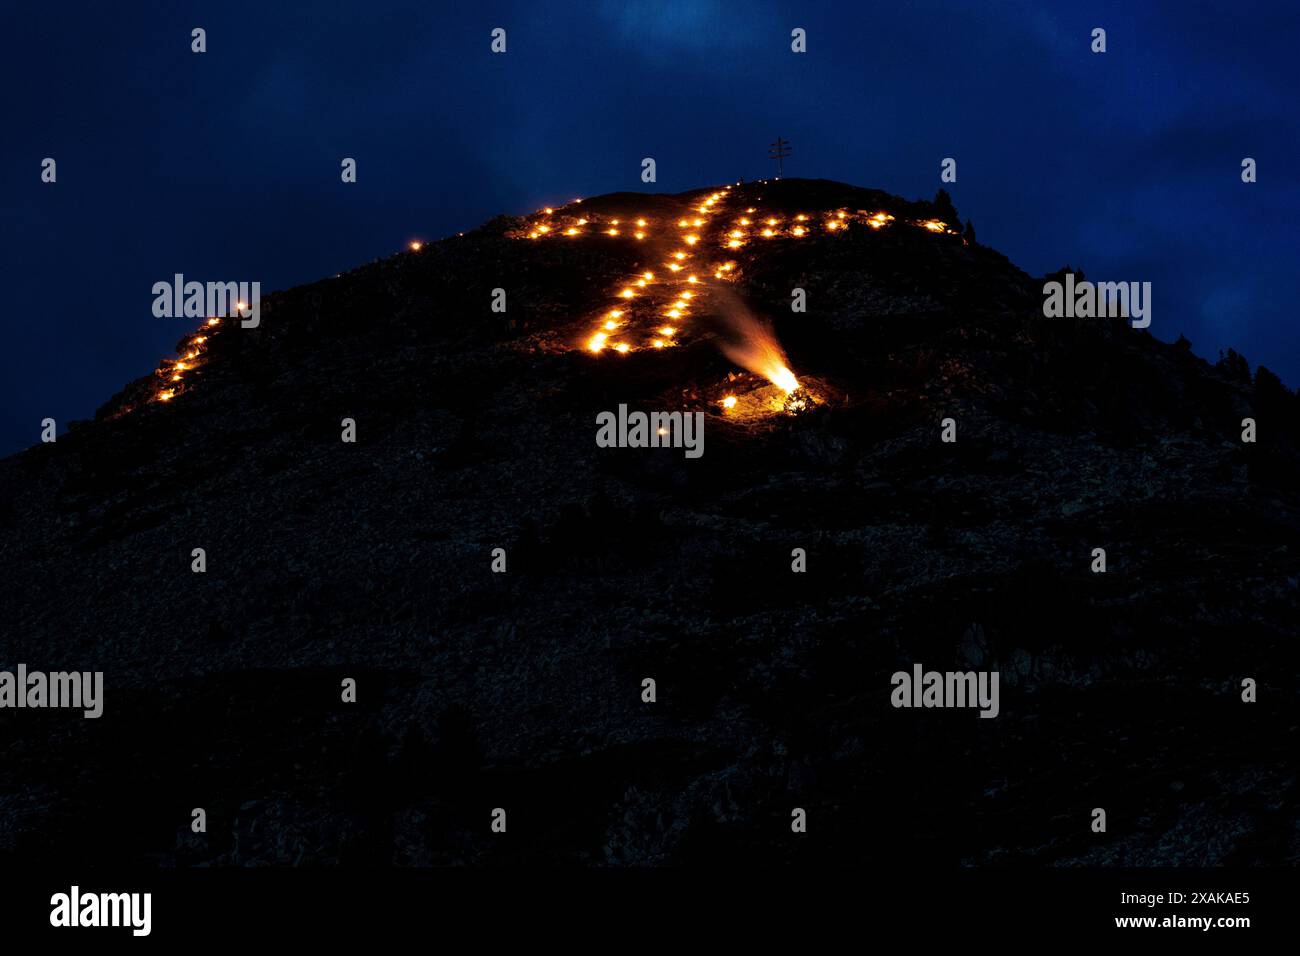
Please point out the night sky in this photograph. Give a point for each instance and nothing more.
(225, 165)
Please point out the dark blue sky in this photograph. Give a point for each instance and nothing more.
(225, 165)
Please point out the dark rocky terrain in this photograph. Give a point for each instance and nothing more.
(476, 690)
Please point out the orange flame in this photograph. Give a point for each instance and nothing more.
(755, 348)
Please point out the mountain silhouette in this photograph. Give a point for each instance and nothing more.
(372, 560)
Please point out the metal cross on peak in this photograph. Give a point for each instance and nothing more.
(779, 151)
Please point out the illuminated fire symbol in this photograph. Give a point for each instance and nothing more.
(415, 245)
(729, 401)
(166, 396)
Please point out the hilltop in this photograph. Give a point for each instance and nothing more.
(476, 430)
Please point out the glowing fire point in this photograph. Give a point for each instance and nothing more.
(176, 377)
(166, 396)
(783, 378)
(621, 347)
(692, 240)
(699, 222)
(648, 276)
(750, 209)
(744, 222)
(679, 255)
(657, 343)
(682, 223)
(771, 222)
(627, 293)
(729, 401)
(668, 330)
(832, 225)
(214, 321)
(570, 232)
(640, 222)
(543, 228)
(798, 230)
(674, 313)
(548, 210)
(734, 244)
(582, 222)
(613, 222)
(613, 232)
(640, 283)
(611, 325)
(693, 279)
(201, 339)
(675, 268)
(801, 217)
(416, 245)
(181, 367)
(688, 295)
(640, 235)
(597, 341)
(934, 225)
